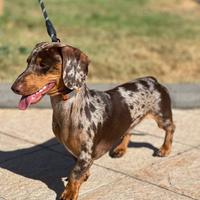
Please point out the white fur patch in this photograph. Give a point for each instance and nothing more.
(140, 102)
(97, 118)
(75, 74)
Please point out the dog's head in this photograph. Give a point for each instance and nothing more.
(52, 68)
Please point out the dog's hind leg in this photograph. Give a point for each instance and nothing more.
(120, 150)
(169, 128)
(165, 122)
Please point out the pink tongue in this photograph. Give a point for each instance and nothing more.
(25, 102)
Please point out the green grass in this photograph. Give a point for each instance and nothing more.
(123, 39)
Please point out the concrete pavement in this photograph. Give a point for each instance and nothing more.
(33, 165)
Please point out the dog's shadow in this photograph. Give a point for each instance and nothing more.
(143, 144)
(137, 145)
(41, 162)
(44, 163)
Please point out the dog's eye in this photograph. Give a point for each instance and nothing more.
(42, 64)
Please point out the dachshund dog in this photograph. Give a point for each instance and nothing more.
(88, 123)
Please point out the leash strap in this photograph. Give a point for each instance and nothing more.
(50, 29)
(70, 95)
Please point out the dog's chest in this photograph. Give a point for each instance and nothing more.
(78, 121)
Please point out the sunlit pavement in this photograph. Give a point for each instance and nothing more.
(33, 165)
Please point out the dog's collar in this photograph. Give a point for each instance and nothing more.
(70, 94)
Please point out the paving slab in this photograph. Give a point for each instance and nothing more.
(132, 189)
(11, 147)
(42, 175)
(9, 113)
(33, 165)
(180, 174)
(99, 177)
(38, 175)
(33, 125)
(187, 127)
(139, 154)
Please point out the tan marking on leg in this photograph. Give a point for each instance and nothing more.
(149, 115)
(87, 174)
(73, 186)
(166, 148)
(120, 150)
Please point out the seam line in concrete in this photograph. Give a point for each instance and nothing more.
(166, 159)
(102, 186)
(18, 138)
(132, 177)
(163, 138)
(41, 146)
(125, 175)
(21, 155)
(58, 151)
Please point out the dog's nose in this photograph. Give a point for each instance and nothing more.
(17, 88)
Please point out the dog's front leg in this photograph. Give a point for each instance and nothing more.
(78, 175)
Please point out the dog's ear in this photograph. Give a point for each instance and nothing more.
(75, 67)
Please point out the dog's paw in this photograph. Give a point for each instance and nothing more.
(162, 152)
(87, 174)
(118, 153)
(69, 195)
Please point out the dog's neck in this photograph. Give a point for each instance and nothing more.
(71, 95)
(65, 109)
